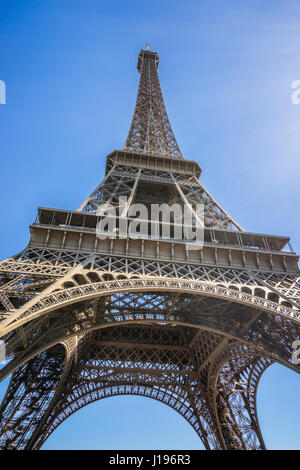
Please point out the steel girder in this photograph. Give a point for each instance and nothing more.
(118, 361)
(140, 340)
(196, 334)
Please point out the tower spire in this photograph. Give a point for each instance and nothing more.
(150, 131)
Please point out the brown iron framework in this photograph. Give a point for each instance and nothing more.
(85, 318)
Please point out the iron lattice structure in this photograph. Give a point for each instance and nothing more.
(85, 318)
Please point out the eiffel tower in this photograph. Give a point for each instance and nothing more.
(85, 318)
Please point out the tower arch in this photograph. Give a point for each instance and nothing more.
(193, 325)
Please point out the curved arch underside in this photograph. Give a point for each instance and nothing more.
(84, 318)
(65, 293)
(273, 334)
(201, 355)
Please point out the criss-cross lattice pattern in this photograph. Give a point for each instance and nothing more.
(145, 360)
(120, 181)
(150, 131)
(157, 357)
(83, 320)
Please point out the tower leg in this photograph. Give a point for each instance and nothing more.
(30, 393)
(234, 378)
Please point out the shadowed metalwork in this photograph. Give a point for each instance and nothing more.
(84, 318)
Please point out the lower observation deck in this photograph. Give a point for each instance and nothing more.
(76, 231)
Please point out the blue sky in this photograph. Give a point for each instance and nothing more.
(226, 71)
